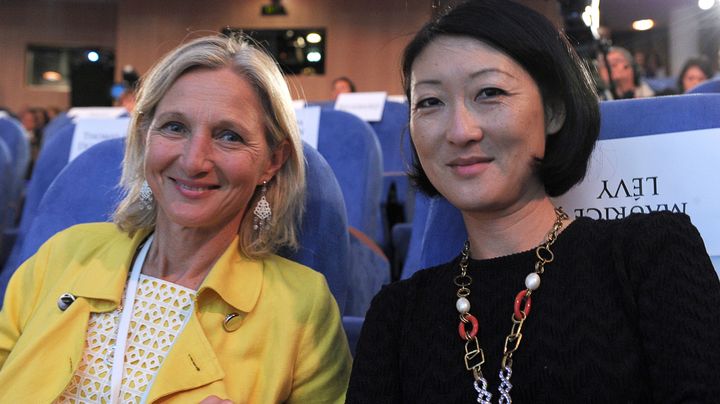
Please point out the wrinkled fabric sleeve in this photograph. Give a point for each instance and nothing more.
(677, 295)
(322, 368)
(20, 296)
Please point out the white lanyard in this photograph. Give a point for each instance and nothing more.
(124, 326)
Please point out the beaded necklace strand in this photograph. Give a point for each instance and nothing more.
(474, 356)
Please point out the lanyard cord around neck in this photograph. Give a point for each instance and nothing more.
(124, 327)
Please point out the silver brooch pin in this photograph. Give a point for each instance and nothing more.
(65, 301)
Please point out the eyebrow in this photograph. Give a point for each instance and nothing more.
(473, 75)
(225, 122)
(168, 115)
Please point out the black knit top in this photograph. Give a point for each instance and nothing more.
(629, 312)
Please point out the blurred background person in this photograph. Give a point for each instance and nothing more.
(626, 81)
(695, 71)
(342, 85)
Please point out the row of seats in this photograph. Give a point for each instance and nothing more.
(14, 162)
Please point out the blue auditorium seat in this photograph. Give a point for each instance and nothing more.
(392, 132)
(54, 126)
(6, 178)
(393, 135)
(710, 86)
(415, 230)
(53, 157)
(17, 141)
(18, 144)
(87, 191)
(443, 233)
(662, 84)
(351, 148)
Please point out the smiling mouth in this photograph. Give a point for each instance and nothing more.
(469, 166)
(193, 187)
(465, 162)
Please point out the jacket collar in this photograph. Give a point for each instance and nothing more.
(105, 274)
(235, 278)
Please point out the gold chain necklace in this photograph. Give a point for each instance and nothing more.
(474, 356)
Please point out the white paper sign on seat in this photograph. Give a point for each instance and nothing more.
(671, 171)
(96, 112)
(90, 131)
(308, 120)
(367, 106)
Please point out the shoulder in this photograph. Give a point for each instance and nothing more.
(88, 234)
(647, 228)
(293, 273)
(295, 283)
(86, 240)
(661, 244)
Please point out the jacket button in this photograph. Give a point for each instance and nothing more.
(232, 322)
(65, 301)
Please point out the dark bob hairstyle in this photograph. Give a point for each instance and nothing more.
(702, 63)
(545, 53)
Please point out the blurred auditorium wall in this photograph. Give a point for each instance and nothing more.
(364, 38)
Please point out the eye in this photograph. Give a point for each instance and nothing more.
(428, 102)
(489, 92)
(172, 127)
(229, 136)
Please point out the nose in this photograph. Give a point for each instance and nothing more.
(197, 154)
(464, 126)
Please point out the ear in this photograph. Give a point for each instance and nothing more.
(554, 117)
(278, 157)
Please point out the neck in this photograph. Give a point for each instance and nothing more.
(623, 87)
(497, 234)
(184, 256)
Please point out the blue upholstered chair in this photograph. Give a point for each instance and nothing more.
(393, 135)
(443, 233)
(14, 136)
(18, 144)
(416, 230)
(54, 126)
(710, 86)
(392, 132)
(53, 157)
(87, 191)
(351, 148)
(90, 182)
(6, 178)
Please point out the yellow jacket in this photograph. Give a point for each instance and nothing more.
(289, 345)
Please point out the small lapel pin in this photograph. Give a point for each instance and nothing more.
(65, 301)
(232, 322)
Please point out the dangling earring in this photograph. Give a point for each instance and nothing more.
(262, 212)
(146, 196)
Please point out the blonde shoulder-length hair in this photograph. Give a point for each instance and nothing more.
(285, 192)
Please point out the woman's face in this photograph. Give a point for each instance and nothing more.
(206, 150)
(478, 124)
(693, 76)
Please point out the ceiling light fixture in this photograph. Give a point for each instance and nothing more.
(643, 25)
(706, 4)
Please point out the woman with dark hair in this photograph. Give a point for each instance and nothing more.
(503, 117)
(694, 71)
